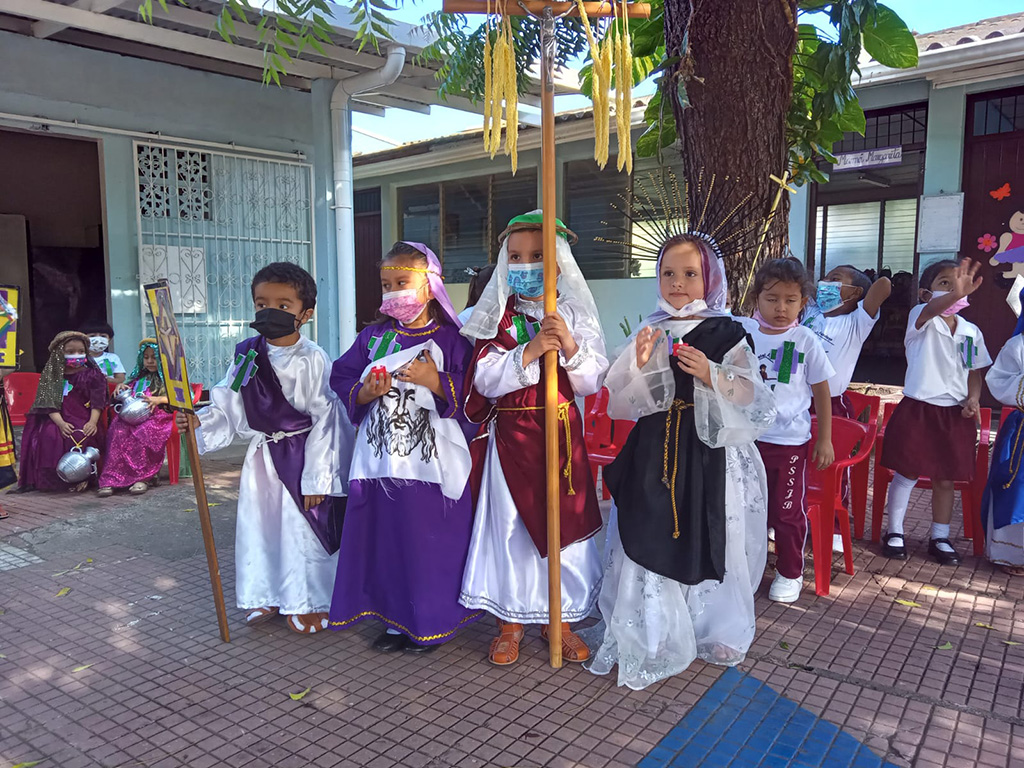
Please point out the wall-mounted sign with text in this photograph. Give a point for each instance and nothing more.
(883, 157)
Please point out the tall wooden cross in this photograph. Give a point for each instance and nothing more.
(548, 13)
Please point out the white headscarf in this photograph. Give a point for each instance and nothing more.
(487, 314)
(716, 290)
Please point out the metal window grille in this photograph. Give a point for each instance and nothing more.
(998, 114)
(906, 127)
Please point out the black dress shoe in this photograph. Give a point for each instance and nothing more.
(389, 643)
(412, 647)
(944, 556)
(894, 551)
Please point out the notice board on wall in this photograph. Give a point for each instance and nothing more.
(939, 223)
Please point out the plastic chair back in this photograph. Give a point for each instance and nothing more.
(598, 426)
(20, 392)
(861, 403)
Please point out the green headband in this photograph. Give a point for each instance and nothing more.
(536, 221)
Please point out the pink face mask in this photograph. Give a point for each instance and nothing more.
(404, 306)
(765, 324)
(958, 306)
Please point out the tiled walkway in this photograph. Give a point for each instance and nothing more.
(109, 656)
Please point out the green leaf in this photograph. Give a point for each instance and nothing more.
(946, 646)
(29, 764)
(888, 40)
(653, 140)
(299, 696)
(1009, 642)
(783, 645)
(908, 603)
(681, 95)
(81, 668)
(852, 118)
(64, 591)
(983, 625)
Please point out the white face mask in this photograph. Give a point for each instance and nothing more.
(98, 343)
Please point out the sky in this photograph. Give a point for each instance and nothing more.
(920, 15)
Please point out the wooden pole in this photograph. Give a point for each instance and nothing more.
(538, 7)
(548, 202)
(204, 520)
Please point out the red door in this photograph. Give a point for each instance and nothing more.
(993, 228)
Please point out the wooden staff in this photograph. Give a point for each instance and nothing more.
(204, 521)
(548, 11)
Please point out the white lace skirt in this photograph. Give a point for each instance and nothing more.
(654, 626)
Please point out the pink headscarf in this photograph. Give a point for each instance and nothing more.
(436, 281)
(715, 289)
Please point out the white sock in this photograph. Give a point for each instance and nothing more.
(899, 497)
(941, 531)
(391, 631)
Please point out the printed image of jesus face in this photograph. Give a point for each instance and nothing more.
(398, 426)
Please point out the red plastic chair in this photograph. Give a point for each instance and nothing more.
(864, 407)
(174, 441)
(970, 491)
(20, 392)
(604, 437)
(852, 442)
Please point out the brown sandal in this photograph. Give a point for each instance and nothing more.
(307, 623)
(260, 615)
(1011, 570)
(505, 647)
(573, 649)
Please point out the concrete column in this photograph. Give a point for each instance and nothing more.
(118, 157)
(328, 307)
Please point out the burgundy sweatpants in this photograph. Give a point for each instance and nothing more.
(786, 467)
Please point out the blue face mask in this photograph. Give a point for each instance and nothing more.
(829, 296)
(526, 279)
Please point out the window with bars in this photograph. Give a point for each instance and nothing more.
(174, 182)
(589, 194)
(461, 219)
(906, 127)
(875, 235)
(999, 113)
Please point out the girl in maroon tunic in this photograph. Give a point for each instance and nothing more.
(71, 397)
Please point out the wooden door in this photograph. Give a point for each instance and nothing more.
(368, 254)
(993, 227)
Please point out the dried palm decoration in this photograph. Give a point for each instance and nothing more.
(500, 86)
(611, 63)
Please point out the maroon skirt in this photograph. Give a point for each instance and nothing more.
(933, 441)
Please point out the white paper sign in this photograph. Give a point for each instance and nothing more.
(939, 222)
(868, 158)
(1013, 297)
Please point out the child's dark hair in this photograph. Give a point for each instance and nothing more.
(288, 274)
(932, 271)
(781, 271)
(858, 278)
(93, 327)
(477, 283)
(403, 252)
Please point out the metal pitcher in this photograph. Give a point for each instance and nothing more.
(77, 465)
(132, 410)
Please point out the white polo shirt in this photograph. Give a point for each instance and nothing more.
(938, 361)
(790, 363)
(842, 337)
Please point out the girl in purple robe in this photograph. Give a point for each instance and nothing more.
(71, 397)
(136, 452)
(409, 517)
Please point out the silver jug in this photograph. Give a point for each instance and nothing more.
(132, 410)
(77, 465)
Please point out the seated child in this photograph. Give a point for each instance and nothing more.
(135, 452)
(507, 570)
(100, 335)
(290, 498)
(477, 283)
(794, 364)
(686, 543)
(409, 514)
(69, 402)
(934, 429)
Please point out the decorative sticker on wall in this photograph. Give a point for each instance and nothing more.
(987, 243)
(1011, 247)
(1002, 193)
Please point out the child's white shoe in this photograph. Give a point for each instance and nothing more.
(785, 590)
(771, 534)
(837, 542)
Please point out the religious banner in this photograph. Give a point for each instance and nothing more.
(172, 351)
(9, 299)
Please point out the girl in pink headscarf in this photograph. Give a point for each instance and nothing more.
(687, 535)
(409, 517)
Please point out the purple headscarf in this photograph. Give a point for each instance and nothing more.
(715, 289)
(436, 281)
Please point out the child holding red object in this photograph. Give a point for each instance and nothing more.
(933, 431)
(795, 366)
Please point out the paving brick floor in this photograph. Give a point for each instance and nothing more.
(125, 669)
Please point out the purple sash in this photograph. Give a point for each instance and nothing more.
(268, 411)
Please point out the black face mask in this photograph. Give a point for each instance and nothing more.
(273, 323)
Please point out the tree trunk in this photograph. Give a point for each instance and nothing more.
(740, 83)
